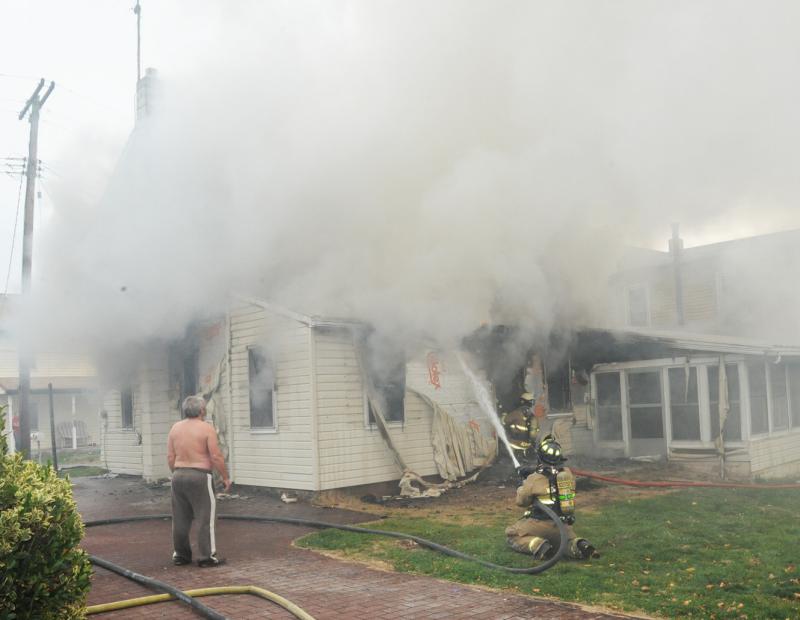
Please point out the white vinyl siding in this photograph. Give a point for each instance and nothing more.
(352, 454)
(281, 458)
(121, 449)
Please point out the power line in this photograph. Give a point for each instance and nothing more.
(14, 235)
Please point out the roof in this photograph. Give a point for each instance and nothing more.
(634, 258)
(312, 320)
(714, 343)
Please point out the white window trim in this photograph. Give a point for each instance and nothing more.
(702, 402)
(609, 443)
(666, 427)
(628, 289)
(663, 366)
(262, 430)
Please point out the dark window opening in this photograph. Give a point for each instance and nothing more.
(392, 387)
(558, 389)
(609, 407)
(756, 374)
(386, 365)
(733, 422)
(126, 407)
(684, 404)
(261, 376)
(644, 402)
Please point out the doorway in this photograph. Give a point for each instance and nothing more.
(646, 413)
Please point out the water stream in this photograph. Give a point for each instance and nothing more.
(486, 403)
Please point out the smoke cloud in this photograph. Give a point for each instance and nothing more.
(426, 167)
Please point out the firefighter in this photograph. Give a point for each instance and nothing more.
(554, 486)
(521, 428)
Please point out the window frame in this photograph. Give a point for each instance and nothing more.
(122, 401)
(702, 399)
(622, 407)
(744, 423)
(262, 430)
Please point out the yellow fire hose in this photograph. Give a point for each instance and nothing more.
(161, 598)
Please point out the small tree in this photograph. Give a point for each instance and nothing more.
(43, 573)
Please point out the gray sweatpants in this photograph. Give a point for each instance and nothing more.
(193, 498)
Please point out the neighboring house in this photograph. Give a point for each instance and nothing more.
(75, 404)
(75, 401)
(288, 397)
(742, 288)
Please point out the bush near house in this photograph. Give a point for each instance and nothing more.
(43, 574)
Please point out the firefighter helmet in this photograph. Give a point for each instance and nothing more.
(550, 451)
(526, 398)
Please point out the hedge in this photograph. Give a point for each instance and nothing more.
(43, 573)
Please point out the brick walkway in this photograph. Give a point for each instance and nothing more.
(262, 555)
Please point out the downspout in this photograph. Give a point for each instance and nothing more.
(675, 248)
(315, 473)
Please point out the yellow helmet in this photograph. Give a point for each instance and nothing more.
(526, 398)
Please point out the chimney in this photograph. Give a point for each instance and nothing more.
(676, 249)
(146, 94)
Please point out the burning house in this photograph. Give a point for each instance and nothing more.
(299, 404)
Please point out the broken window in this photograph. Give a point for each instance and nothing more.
(684, 404)
(779, 411)
(391, 385)
(644, 403)
(609, 406)
(638, 313)
(126, 407)
(261, 377)
(733, 422)
(756, 375)
(794, 394)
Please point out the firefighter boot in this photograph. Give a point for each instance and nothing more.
(586, 549)
(542, 551)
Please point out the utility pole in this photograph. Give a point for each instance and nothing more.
(138, 11)
(34, 104)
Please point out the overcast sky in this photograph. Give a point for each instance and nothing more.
(696, 102)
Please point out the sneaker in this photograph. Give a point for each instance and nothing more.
(208, 562)
(178, 560)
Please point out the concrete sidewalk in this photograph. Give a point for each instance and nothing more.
(262, 555)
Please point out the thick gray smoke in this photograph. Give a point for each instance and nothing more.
(426, 166)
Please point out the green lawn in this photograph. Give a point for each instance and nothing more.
(705, 553)
(80, 471)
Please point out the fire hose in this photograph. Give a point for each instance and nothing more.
(171, 593)
(681, 483)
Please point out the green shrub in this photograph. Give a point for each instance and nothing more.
(43, 574)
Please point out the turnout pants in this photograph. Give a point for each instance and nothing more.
(193, 498)
(527, 536)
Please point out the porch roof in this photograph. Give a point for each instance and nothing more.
(713, 343)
